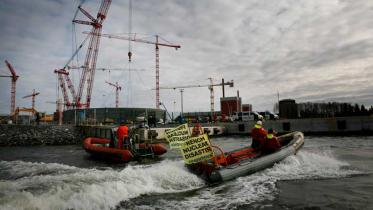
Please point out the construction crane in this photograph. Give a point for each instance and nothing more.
(88, 72)
(210, 87)
(14, 78)
(63, 76)
(157, 45)
(106, 69)
(33, 95)
(117, 89)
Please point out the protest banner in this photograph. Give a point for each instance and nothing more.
(196, 149)
(177, 136)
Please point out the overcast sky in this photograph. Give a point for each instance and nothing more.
(319, 50)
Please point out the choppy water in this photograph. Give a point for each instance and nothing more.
(328, 173)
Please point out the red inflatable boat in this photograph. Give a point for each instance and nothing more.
(100, 147)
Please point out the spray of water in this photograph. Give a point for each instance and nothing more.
(27, 185)
(262, 185)
(56, 186)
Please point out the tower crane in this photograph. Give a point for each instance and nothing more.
(14, 78)
(117, 89)
(156, 43)
(210, 87)
(33, 95)
(88, 72)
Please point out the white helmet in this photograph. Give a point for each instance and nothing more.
(259, 122)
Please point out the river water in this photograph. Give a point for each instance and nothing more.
(327, 173)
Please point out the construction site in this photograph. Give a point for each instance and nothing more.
(73, 99)
(74, 94)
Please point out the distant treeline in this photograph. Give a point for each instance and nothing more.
(332, 109)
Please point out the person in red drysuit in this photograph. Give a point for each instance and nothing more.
(271, 143)
(258, 133)
(122, 134)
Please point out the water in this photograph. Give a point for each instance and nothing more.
(328, 173)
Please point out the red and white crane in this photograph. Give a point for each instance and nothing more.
(88, 73)
(33, 95)
(63, 76)
(117, 89)
(14, 78)
(157, 44)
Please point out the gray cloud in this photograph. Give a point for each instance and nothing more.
(307, 50)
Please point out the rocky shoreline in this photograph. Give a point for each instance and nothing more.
(26, 135)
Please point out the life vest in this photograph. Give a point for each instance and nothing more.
(271, 143)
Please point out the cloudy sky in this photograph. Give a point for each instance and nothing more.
(319, 50)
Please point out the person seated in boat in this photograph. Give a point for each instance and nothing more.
(197, 129)
(258, 133)
(122, 134)
(271, 143)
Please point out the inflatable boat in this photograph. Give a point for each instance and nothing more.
(244, 161)
(100, 147)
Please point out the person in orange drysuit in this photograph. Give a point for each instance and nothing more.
(258, 133)
(122, 134)
(271, 143)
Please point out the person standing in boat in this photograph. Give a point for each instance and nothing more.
(258, 133)
(271, 143)
(122, 134)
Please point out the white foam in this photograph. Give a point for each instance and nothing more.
(311, 165)
(262, 185)
(56, 186)
(89, 188)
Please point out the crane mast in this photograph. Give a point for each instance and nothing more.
(33, 95)
(14, 78)
(63, 76)
(88, 72)
(117, 89)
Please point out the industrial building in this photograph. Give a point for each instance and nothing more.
(229, 105)
(111, 115)
(288, 109)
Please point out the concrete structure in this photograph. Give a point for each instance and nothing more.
(109, 115)
(310, 126)
(67, 134)
(155, 134)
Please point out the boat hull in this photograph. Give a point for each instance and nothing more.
(99, 147)
(256, 162)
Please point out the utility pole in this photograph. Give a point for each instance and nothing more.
(212, 105)
(59, 109)
(182, 110)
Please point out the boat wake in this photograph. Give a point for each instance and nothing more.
(261, 186)
(25, 185)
